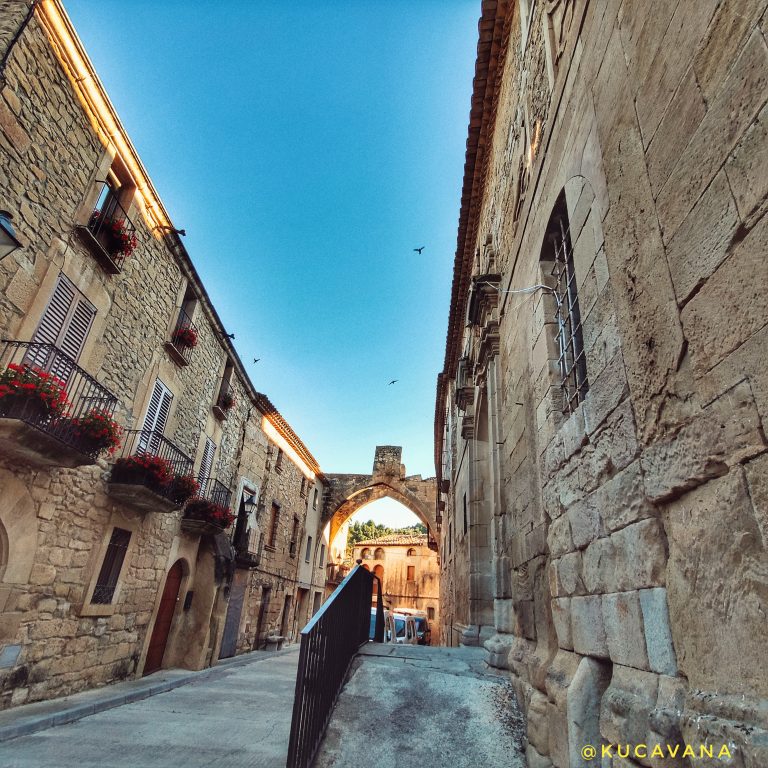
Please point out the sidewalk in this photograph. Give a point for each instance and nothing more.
(31, 718)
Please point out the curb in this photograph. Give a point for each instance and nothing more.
(42, 715)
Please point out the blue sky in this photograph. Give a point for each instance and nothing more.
(307, 147)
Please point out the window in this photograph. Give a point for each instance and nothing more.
(111, 567)
(322, 556)
(184, 335)
(430, 613)
(557, 260)
(308, 553)
(65, 324)
(411, 552)
(378, 554)
(273, 523)
(294, 536)
(304, 487)
(314, 500)
(206, 463)
(466, 522)
(279, 460)
(225, 400)
(411, 573)
(365, 554)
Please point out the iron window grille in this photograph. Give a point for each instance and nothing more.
(111, 567)
(572, 362)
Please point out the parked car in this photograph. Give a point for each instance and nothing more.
(423, 630)
(405, 629)
(389, 626)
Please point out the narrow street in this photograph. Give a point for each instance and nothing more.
(239, 716)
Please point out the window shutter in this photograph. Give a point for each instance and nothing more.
(156, 418)
(76, 331)
(56, 313)
(207, 462)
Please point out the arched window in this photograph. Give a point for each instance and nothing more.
(365, 553)
(378, 554)
(367, 567)
(411, 552)
(558, 271)
(379, 571)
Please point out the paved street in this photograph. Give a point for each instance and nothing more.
(239, 716)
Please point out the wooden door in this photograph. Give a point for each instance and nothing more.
(164, 619)
(234, 612)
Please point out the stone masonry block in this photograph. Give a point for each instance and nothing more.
(640, 555)
(586, 525)
(565, 576)
(599, 566)
(584, 696)
(589, 637)
(538, 723)
(727, 432)
(623, 620)
(658, 636)
(605, 393)
(561, 618)
(622, 499)
(559, 537)
(627, 705)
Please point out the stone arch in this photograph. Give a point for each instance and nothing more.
(364, 495)
(379, 554)
(18, 519)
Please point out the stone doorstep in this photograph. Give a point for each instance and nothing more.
(41, 715)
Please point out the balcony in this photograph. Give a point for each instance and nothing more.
(246, 543)
(153, 474)
(183, 340)
(208, 513)
(43, 396)
(224, 402)
(109, 235)
(335, 573)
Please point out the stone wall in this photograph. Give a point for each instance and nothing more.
(628, 541)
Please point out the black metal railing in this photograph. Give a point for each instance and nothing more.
(328, 644)
(44, 387)
(152, 444)
(215, 491)
(184, 336)
(110, 226)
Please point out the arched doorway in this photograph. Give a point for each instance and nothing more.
(164, 619)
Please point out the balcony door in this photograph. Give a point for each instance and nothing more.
(65, 325)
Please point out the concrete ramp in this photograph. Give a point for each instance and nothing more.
(426, 707)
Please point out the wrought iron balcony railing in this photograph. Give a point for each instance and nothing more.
(159, 466)
(183, 339)
(224, 401)
(109, 234)
(215, 491)
(43, 387)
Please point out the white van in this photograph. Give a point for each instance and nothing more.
(405, 629)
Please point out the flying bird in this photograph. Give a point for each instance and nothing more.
(256, 359)
(419, 250)
(394, 381)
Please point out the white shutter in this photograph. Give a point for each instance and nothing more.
(55, 316)
(156, 417)
(65, 324)
(207, 462)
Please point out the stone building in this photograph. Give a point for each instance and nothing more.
(408, 569)
(600, 418)
(104, 574)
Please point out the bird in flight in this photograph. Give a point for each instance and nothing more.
(256, 359)
(419, 250)
(394, 381)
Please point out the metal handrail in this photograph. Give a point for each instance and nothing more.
(215, 491)
(83, 392)
(329, 643)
